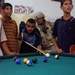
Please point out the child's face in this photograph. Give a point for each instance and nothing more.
(7, 11)
(67, 6)
(30, 27)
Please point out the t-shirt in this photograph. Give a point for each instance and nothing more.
(64, 30)
(11, 31)
(2, 36)
(34, 39)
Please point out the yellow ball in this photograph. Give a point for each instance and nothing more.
(25, 60)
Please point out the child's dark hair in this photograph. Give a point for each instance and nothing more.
(31, 21)
(5, 5)
(62, 2)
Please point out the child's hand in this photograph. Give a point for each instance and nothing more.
(59, 50)
(12, 53)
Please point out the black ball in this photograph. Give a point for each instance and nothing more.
(34, 60)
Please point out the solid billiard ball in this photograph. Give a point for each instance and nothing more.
(18, 61)
(29, 62)
(57, 56)
(44, 59)
(15, 58)
(34, 60)
(25, 60)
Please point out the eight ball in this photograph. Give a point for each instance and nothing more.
(34, 60)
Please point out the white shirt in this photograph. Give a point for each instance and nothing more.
(2, 36)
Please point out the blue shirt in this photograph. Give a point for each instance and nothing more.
(64, 30)
(34, 39)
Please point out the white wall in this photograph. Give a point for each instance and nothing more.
(48, 7)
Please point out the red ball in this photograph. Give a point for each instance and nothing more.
(57, 56)
(15, 58)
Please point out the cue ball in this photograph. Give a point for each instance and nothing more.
(47, 55)
(34, 60)
(57, 56)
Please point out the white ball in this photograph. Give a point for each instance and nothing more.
(47, 55)
(57, 56)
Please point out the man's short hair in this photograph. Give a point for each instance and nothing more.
(5, 5)
(62, 2)
(32, 21)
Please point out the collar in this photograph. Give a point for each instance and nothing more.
(70, 19)
(7, 20)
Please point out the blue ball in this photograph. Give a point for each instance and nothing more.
(18, 61)
(44, 59)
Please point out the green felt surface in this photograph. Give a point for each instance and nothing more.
(65, 65)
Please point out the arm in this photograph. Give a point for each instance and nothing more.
(56, 46)
(54, 36)
(6, 49)
(3, 42)
(39, 47)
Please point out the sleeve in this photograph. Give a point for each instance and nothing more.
(3, 36)
(54, 32)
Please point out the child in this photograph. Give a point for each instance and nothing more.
(64, 29)
(32, 36)
(3, 43)
(10, 27)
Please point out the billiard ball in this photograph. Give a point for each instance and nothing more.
(44, 59)
(47, 55)
(25, 60)
(57, 56)
(15, 58)
(18, 61)
(34, 60)
(29, 62)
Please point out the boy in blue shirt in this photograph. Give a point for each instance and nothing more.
(32, 36)
(64, 29)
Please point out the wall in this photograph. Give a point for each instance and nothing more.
(50, 8)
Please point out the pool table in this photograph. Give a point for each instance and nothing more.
(65, 65)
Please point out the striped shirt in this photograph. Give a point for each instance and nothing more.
(11, 32)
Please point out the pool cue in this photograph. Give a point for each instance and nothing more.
(41, 51)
